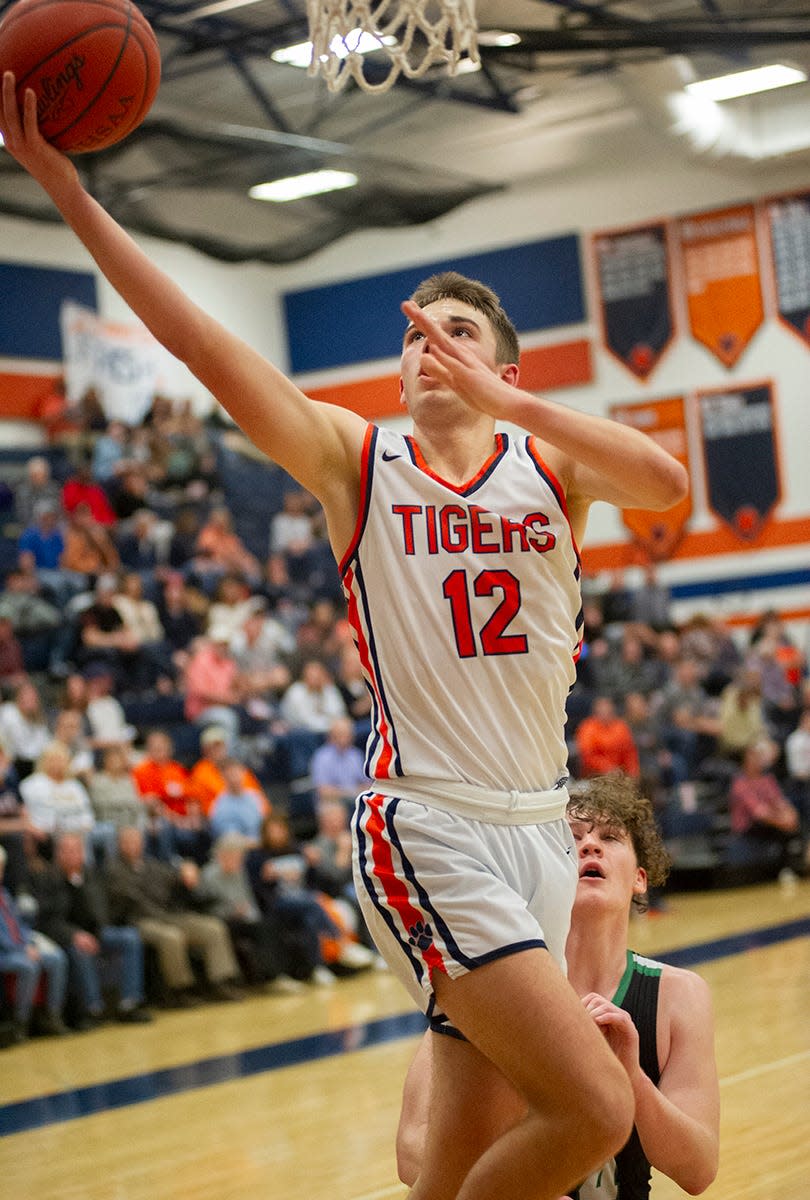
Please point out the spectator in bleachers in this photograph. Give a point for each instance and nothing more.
(337, 768)
(742, 717)
(232, 604)
(291, 533)
(12, 662)
(220, 550)
(322, 634)
(114, 795)
(70, 730)
(23, 604)
(688, 716)
(31, 957)
(626, 668)
(105, 712)
(35, 488)
(24, 727)
(257, 937)
(213, 684)
(43, 539)
(141, 542)
(81, 489)
(779, 675)
(74, 912)
(141, 618)
(110, 453)
(13, 824)
(761, 814)
(182, 613)
(660, 768)
(176, 823)
(168, 905)
(130, 492)
(352, 686)
(651, 601)
(89, 549)
(55, 802)
(105, 639)
(260, 649)
(183, 542)
(313, 701)
(207, 779)
(238, 808)
(604, 742)
(709, 641)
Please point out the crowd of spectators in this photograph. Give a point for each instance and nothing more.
(182, 722)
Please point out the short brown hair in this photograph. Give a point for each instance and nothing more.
(615, 801)
(450, 285)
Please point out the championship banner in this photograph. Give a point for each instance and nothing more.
(125, 365)
(632, 270)
(723, 286)
(658, 533)
(789, 226)
(742, 473)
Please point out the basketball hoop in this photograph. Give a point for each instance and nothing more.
(412, 34)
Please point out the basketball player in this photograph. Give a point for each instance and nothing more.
(458, 552)
(656, 1018)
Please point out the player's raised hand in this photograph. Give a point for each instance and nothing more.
(454, 362)
(24, 142)
(618, 1028)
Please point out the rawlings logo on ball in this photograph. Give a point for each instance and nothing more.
(51, 88)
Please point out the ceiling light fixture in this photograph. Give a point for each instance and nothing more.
(498, 38)
(359, 41)
(746, 83)
(295, 187)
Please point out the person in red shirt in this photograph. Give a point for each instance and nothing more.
(605, 742)
(81, 488)
(207, 779)
(177, 822)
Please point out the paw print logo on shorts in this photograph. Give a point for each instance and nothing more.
(421, 935)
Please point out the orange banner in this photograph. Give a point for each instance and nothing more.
(721, 273)
(657, 534)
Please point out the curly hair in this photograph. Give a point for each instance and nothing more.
(450, 285)
(616, 802)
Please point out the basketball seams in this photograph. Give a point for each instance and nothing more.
(104, 85)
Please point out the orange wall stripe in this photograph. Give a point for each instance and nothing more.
(792, 531)
(22, 395)
(542, 368)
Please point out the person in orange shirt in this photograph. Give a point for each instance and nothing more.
(207, 780)
(605, 742)
(177, 825)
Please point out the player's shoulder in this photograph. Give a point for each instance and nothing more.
(683, 991)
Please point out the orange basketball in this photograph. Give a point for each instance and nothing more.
(93, 64)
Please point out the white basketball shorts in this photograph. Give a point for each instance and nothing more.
(441, 892)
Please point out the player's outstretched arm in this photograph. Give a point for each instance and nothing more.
(601, 459)
(316, 443)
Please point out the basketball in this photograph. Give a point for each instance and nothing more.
(93, 64)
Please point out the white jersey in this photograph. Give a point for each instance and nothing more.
(466, 608)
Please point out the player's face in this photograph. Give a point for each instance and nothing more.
(459, 321)
(608, 871)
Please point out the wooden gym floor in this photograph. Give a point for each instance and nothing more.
(296, 1097)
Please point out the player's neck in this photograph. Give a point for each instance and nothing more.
(458, 454)
(596, 953)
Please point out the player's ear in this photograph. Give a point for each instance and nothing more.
(640, 882)
(402, 392)
(510, 373)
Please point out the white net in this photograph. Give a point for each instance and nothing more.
(413, 35)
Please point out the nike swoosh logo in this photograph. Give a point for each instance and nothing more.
(388, 457)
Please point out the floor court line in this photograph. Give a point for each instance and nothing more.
(763, 1068)
(85, 1101)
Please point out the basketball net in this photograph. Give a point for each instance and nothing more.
(413, 34)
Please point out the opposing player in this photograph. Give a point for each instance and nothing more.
(656, 1018)
(458, 551)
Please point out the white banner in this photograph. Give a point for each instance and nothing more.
(124, 363)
